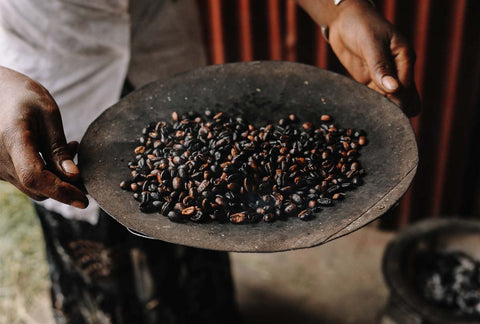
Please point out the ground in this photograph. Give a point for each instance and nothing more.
(340, 282)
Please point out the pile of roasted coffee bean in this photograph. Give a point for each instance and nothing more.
(450, 280)
(215, 166)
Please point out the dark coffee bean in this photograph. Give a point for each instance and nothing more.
(230, 195)
(357, 181)
(198, 216)
(175, 216)
(290, 208)
(346, 185)
(146, 207)
(203, 186)
(238, 218)
(305, 214)
(296, 199)
(219, 215)
(125, 185)
(134, 186)
(324, 201)
(166, 208)
(182, 172)
(235, 177)
(220, 165)
(333, 189)
(269, 217)
(220, 201)
(233, 187)
(177, 183)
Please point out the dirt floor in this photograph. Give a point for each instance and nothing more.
(340, 282)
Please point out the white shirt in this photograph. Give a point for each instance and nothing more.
(82, 51)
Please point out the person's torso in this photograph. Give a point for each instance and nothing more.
(82, 51)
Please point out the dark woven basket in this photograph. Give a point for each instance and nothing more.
(399, 267)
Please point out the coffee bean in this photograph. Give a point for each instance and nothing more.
(305, 214)
(324, 201)
(296, 198)
(238, 218)
(200, 166)
(175, 216)
(325, 118)
(198, 216)
(177, 183)
(188, 211)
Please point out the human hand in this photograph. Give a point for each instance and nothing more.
(34, 155)
(375, 53)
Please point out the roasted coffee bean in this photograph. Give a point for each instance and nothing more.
(188, 211)
(182, 172)
(203, 185)
(220, 201)
(198, 216)
(177, 183)
(324, 201)
(305, 214)
(125, 185)
(296, 199)
(362, 140)
(338, 196)
(290, 208)
(325, 118)
(346, 185)
(333, 189)
(219, 215)
(269, 217)
(175, 216)
(357, 181)
(166, 208)
(175, 116)
(238, 218)
(134, 186)
(222, 166)
(157, 205)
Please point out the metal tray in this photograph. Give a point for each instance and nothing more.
(262, 92)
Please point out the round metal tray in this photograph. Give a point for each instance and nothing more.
(262, 92)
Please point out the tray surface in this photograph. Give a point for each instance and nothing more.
(262, 92)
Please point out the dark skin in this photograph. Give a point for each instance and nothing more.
(30, 124)
(35, 157)
(371, 49)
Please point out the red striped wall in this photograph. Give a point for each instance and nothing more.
(445, 35)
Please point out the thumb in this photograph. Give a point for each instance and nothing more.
(59, 155)
(381, 67)
(61, 159)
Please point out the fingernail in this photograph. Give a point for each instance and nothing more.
(69, 167)
(78, 204)
(389, 82)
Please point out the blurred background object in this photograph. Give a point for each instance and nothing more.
(432, 271)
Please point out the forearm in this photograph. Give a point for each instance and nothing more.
(324, 12)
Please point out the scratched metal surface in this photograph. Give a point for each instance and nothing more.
(262, 92)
